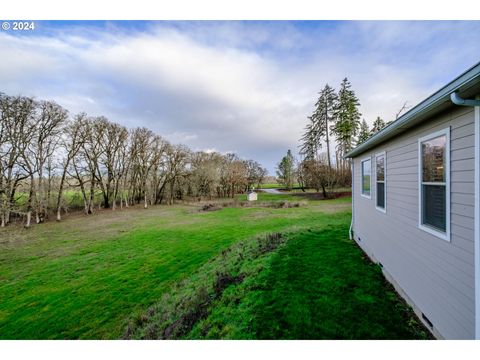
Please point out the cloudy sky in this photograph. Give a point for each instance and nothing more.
(246, 87)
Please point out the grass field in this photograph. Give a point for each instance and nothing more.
(88, 277)
(270, 186)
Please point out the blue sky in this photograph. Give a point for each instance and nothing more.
(246, 86)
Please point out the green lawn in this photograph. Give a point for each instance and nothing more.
(270, 186)
(89, 276)
(318, 286)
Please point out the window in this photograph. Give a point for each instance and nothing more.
(366, 175)
(380, 167)
(434, 184)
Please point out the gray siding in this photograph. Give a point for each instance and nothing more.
(438, 276)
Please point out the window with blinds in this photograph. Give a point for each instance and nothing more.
(366, 177)
(380, 181)
(434, 184)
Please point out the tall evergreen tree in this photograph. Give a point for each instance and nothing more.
(285, 170)
(308, 142)
(378, 125)
(318, 128)
(347, 120)
(364, 133)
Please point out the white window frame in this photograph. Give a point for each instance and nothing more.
(442, 235)
(361, 177)
(384, 209)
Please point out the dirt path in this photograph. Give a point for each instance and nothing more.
(272, 191)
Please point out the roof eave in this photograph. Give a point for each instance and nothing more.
(442, 96)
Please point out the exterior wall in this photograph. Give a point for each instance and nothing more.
(435, 275)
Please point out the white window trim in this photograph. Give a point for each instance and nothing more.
(442, 235)
(361, 177)
(384, 209)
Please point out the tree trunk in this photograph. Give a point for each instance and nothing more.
(60, 191)
(29, 218)
(10, 204)
(49, 194)
(6, 217)
(30, 202)
(91, 197)
(39, 202)
(172, 187)
(324, 192)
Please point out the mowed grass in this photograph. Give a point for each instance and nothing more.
(86, 276)
(317, 286)
(271, 186)
(306, 284)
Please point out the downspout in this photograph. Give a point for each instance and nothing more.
(353, 199)
(475, 103)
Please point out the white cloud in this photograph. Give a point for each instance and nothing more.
(179, 137)
(224, 85)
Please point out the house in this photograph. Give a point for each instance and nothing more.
(416, 206)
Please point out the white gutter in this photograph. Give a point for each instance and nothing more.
(465, 80)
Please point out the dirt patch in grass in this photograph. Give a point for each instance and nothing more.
(270, 242)
(252, 204)
(210, 207)
(191, 301)
(223, 280)
(283, 205)
(198, 306)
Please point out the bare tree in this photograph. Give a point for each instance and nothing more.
(85, 164)
(176, 160)
(233, 175)
(205, 174)
(402, 109)
(48, 125)
(43, 154)
(111, 139)
(255, 173)
(159, 174)
(71, 142)
(17, 131)
(317, 174)
(142, 141)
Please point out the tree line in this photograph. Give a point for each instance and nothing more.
(335, 119)
(50, 162)
(365, 132)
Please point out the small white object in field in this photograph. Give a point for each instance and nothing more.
(252, 196)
